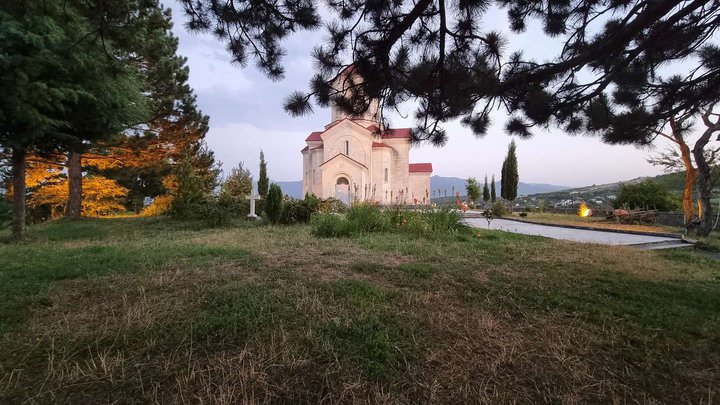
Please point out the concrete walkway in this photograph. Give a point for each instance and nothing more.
(559, 232)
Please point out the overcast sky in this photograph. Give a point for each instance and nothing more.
(246, 115)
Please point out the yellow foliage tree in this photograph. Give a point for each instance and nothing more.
(101, 196)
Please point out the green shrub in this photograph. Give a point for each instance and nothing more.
(308, 206)
(498, 209)
(646, 194)
(443, 219)
(299, 211)
(330, 225)
(331, 205)
(366, 217)
(190, 195)
(290, 210)
(274, 203)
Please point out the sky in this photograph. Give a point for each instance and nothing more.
(246, 115)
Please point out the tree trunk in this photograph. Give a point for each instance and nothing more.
(704, 189)
(690, 174)
(688, 209)
(73, 208)
(704, 183)
(18, 192)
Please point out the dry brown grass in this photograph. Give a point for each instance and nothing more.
(375, 320)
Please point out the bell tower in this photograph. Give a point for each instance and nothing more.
(344, 83)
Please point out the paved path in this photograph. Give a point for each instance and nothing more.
(557, 232)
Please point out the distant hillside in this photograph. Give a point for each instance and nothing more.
(291, 188)
(447, 183)
(598, 195)
(294, 188)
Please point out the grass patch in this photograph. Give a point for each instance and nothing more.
(369, 343)
(145, 310)
(233, 315)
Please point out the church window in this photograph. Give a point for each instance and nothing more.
(347, 148)
(386, 175)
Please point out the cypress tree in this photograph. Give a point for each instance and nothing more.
(493, 196)
(274, 203)
(486, 191)
(263, 181)
(510, 178)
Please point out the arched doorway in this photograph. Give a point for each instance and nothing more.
(342, 190)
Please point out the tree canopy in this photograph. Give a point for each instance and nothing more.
(609, 78)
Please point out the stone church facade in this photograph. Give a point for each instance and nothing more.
(355, 159)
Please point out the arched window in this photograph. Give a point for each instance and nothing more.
(347, 148)
(386, 175)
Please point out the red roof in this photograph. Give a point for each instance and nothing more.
(305, 149)
(380, 145)
(397, 133)
(420, 167)
(314, 136)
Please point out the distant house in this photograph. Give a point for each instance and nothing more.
(356, 158)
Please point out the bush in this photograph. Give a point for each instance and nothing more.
(366, 217)
(290, 211)
(299, 211)
(498, 209)
(331, 205)
(443, 219)
(219, 210)
(331, 226)
(648, 195)
(161, 205)
(274, 203)
(189, 195)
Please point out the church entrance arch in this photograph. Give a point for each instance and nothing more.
(342, 190)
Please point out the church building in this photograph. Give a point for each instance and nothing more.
(356, 159)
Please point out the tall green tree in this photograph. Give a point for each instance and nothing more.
(274, 203)
(510, 178)
(143, 158)
(472, 189)
(263, 181)
(493, 196)
(486, 191)
(37, 81)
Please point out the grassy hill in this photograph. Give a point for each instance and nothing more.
(144, 310)
(600, 196)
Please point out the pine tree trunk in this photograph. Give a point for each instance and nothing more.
(690, 172)
(704, 184)
(690, 176)
(704, 205)
(18, 192)
(73, 208)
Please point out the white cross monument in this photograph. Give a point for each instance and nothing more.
(253, 197)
